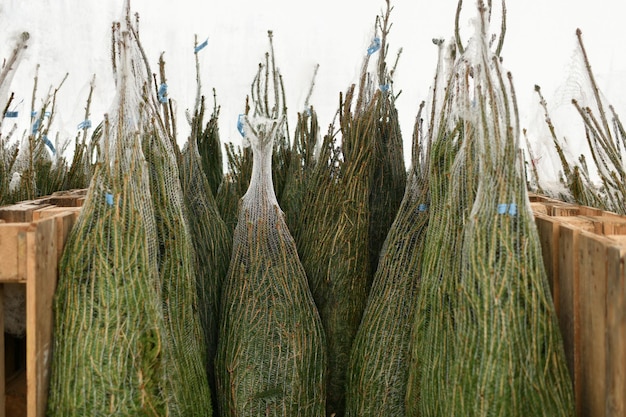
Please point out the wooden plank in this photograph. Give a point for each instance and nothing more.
(617, 239)
(2, 367)
(592, 255)
(568, 315)
(548, 231)
(65, 223)
(575, 221)
(73, 192)
(607, 225)
(20, 212)
(63, 200)
(42, 279)
(616, 333)
(563, 209)
(13, 249)
(53, 211)
(589, 211)
(613, 226)
(540, 198)
(538, 208)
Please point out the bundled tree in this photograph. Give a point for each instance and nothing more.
(80, 169)
(606, 140)
(380, 357)
(186, 354)
(333, 237)
(304, 157)
(271, 352)
(8, 152)
(212, 240)
(389, 173)
(451, 176)
(209, 147)
(137, 292)
(110, 340)
(508, 355)
(39, 168)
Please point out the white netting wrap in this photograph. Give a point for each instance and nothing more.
(127, 332)
(486, 339)
(108, 355)
(271, 357)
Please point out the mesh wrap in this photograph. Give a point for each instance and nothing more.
(271, 357)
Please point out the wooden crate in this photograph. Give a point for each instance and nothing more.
(584, 251)
(32, 237)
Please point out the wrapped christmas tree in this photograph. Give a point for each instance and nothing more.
(109, 332)
(271, 348)
(509, 357)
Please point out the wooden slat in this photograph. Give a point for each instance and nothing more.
(616, 333)
(592, 254)
(538, 208)
(575, 221)
(568, 304)
(42, 270)
(65, 223)
(53, 211)
(607, 225)
(21, 212)
(2, 367)
(589, 211)
(548, 231)
(63, 200)
(13, 249)
(562, 210)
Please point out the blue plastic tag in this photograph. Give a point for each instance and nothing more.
(510, 209)
(85, 124)
(201, 46)
(240, 125)
(374, 46)
(162, 93)
(49, 144)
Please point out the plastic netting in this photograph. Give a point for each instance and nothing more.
(128, 339)
(212, 242)
(380, 357)
(451, 191)
(186, 353)
(509, 357)
(271, 357)
(267, 100)
(109, 335)
(389, 175)
(333, 238)
(486, 340)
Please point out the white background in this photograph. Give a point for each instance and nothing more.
(74, 36)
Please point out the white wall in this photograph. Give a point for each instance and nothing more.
(74, 35)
